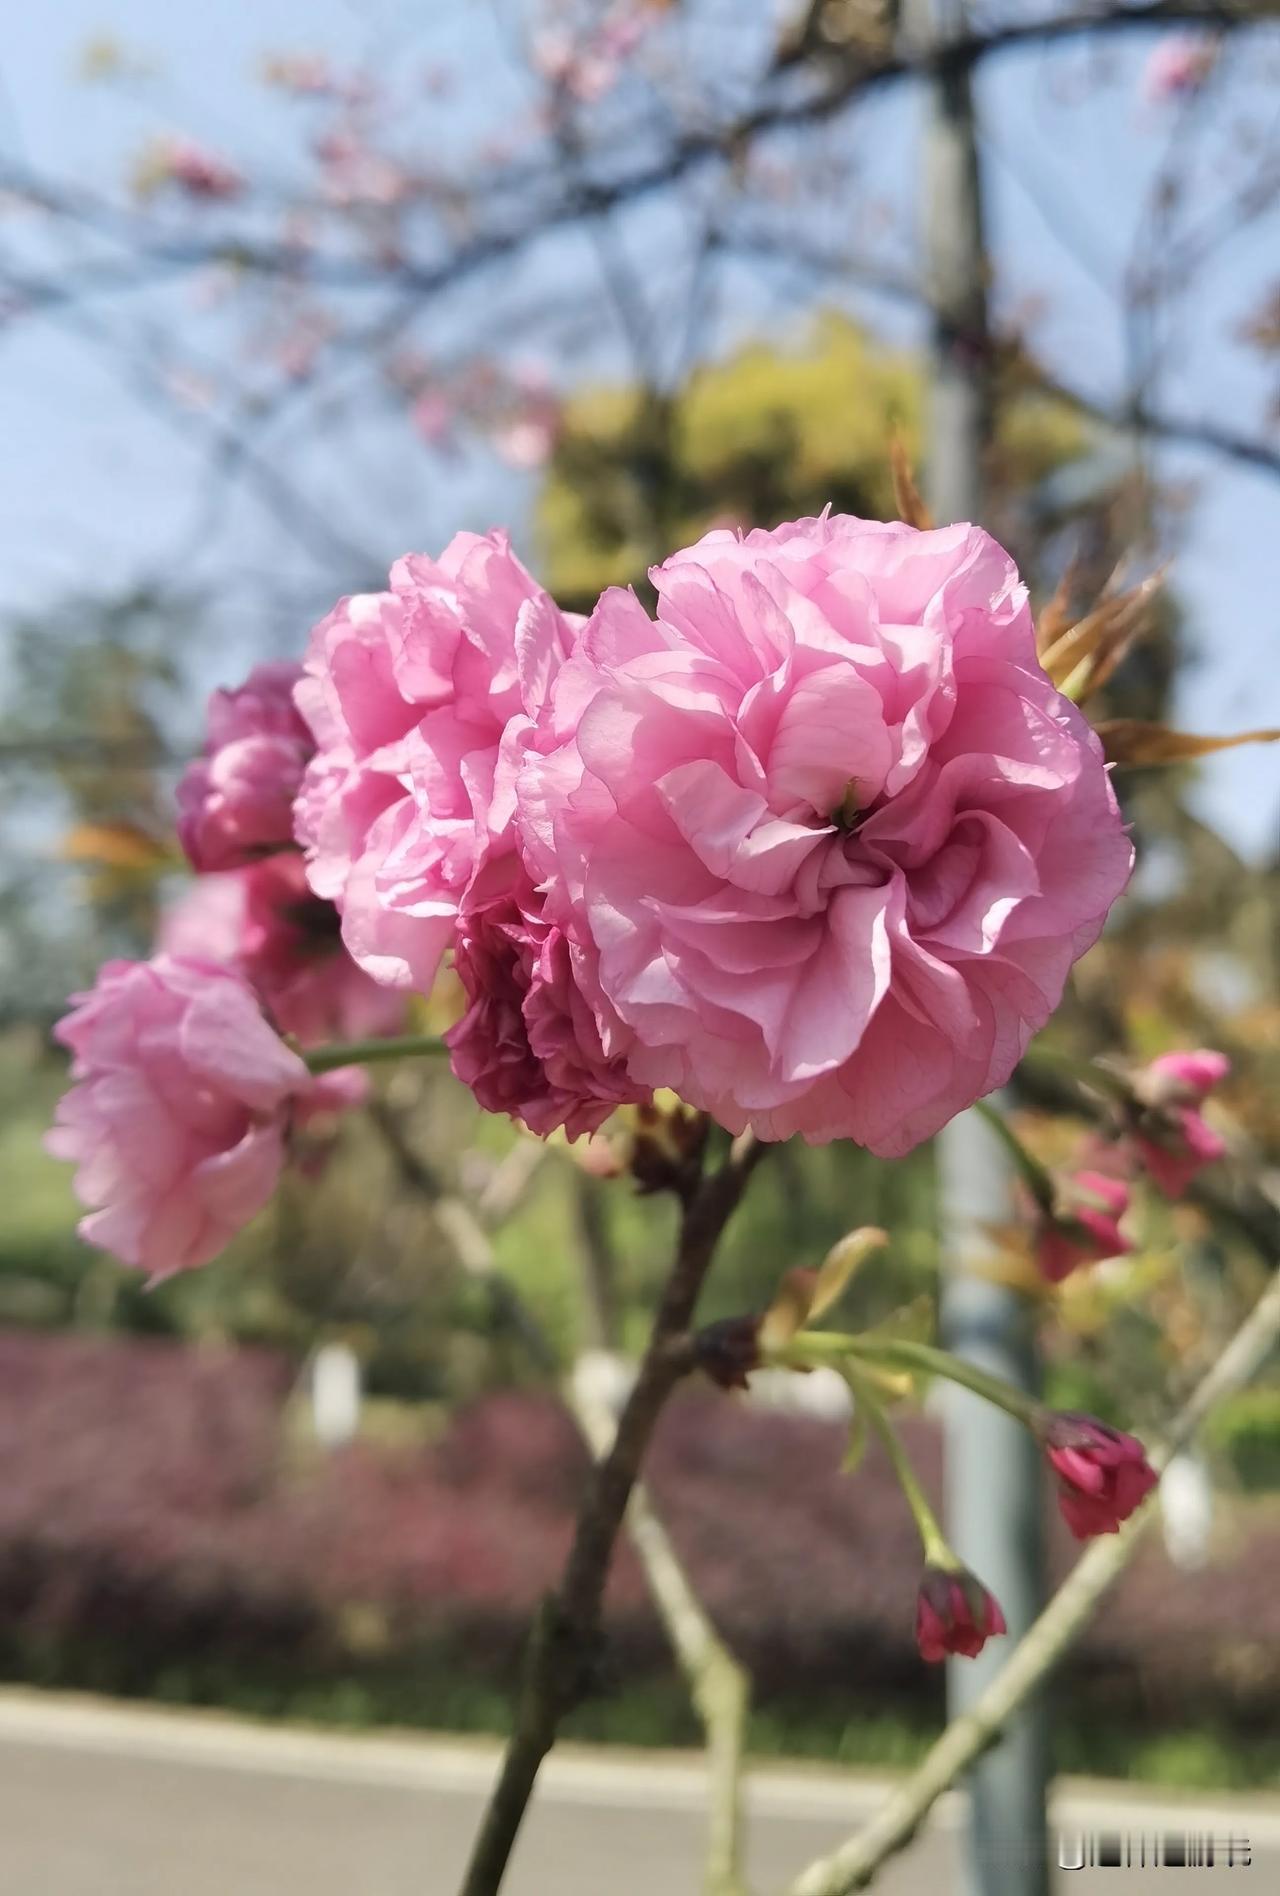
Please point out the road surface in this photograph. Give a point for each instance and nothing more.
(105, 1800)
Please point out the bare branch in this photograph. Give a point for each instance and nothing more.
(719, 1686)
(567, 1633)
(1178, 430)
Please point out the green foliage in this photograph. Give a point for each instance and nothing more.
(95, 690)
(1246, 1430)
(768, 433)
(425, 1690)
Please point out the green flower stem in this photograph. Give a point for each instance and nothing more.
(344, 1053)
(936, 1551)
(923, 1356)
(1036, 1177)
(1083, 1072)
(821, 1346)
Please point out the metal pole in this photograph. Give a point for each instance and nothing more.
(994, 1511)
(993, 1483)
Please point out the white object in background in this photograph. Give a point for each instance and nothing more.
(602, 1381)
(822, 1394)
(1186, 1511)
(335, 1395)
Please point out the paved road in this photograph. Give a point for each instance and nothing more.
(97, 1800)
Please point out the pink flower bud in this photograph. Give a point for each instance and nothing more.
(955, 1613)
(1103, 1474)
(178, 1112)
(1188, 1075)
(1172, 1140)
(1084, 1228)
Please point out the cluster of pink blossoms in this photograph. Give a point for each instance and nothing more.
(815, 846)
(1159, 1132)
(184, 1093)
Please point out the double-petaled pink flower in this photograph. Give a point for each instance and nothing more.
(1103, 1474)
(178, 1111)
(1084, 1227)
(1172, 1140)
(419, 698)
(955, 1613)
(235, 802)
(824, 835)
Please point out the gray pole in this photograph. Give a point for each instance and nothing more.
(993, 1480)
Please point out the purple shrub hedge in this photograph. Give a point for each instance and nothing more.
(150, 1520)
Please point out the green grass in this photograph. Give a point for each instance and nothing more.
(423, 1689)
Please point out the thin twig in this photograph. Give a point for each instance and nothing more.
(464, 1232)
(718, 1685)
(566, 1635)
(856, 1862)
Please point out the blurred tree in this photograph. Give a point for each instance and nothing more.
(772, 432)
(98, 687)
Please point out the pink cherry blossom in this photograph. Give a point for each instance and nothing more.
(434, 416)
(528, 1043)
(191, 168)
(955, 1613)
(526, 441)
(1177, 66)
(418, 699)
(285, 940)
(1085, 1226)
(235, 802)
(205, 920)
(826, 835)
(178, 1111)
(1172, 1140)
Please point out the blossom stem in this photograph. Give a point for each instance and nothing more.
(1084, 1072)
(822, 1346)
(566, 1634)
(344, 1053)
(1036, 1177)
(942, 1363)
(855, 1863)
(936, 1551)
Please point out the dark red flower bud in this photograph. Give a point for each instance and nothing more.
(1085, 1225)
(955, 1613)
(729, 1350)
(1103, 1474)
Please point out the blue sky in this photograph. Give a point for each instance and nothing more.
(94, 489)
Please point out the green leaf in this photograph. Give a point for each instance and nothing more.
(805, 1294)
(859, 1434)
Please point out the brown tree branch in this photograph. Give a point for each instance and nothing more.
(718, 1685)
(567, 1632)
(855, 1863)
